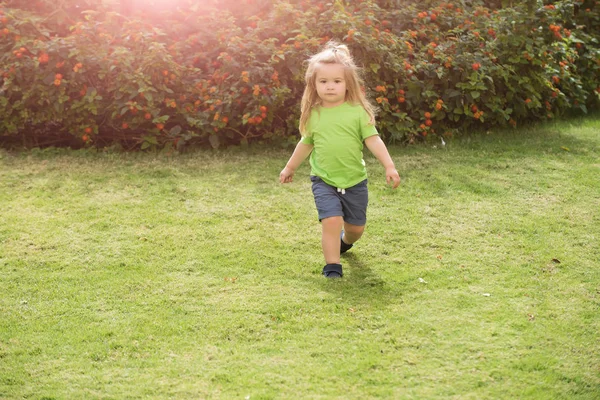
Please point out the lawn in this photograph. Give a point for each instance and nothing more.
(136, 275)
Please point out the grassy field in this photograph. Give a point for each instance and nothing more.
(126, 276)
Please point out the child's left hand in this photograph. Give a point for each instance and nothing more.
(392, 177)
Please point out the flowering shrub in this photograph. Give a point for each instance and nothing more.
(219, 74)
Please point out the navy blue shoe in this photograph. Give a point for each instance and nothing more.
(333, 271)
(344, 247)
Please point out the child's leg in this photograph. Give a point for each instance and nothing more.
(330, 239)
(352, 232)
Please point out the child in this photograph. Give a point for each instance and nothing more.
(336, 119)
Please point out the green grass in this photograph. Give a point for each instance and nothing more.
(198, 276)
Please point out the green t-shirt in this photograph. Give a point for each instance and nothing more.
(337, 135)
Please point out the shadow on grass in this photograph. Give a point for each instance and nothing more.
(360, 285)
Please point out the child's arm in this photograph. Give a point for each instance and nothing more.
(377, 147)
(300, 153)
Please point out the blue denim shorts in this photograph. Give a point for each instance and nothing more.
(350, 204)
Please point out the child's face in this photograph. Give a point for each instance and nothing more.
(331, 84)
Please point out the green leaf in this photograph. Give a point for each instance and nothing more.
(49, 78)
(214, 141)
(175, 130)
(150, 140)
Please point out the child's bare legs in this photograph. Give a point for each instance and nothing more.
(352, 232)
(330, 239)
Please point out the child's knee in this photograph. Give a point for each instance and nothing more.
(354, 229)
(333, 221)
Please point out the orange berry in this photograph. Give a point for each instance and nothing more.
(427, 115)
(88, 130)
(43, 58)
(160, 127)
(147, 116)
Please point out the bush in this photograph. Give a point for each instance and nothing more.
(219, 74)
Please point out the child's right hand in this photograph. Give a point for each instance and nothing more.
(286, 175)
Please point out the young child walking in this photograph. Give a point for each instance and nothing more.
(336, 120)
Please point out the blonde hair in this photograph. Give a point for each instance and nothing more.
(333, 53)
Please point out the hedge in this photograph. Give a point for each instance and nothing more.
(229, 73)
